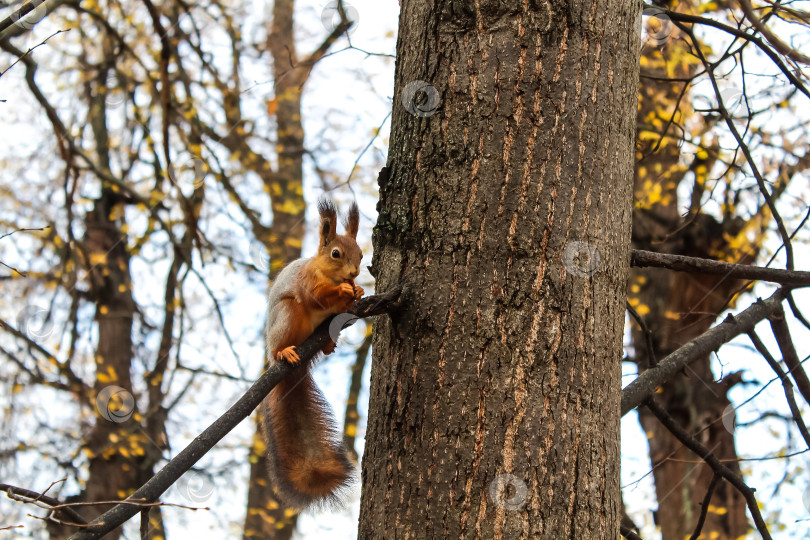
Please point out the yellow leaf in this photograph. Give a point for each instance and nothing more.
(98, 258)
(272, 105)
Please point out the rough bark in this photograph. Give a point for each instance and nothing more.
(494, 407)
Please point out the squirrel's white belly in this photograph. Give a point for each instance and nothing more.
(317, 317)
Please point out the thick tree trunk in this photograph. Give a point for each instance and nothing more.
(495, 394)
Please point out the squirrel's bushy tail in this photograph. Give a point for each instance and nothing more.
(306, 460)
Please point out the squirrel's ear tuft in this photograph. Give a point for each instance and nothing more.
(328, 229)
(352, 223)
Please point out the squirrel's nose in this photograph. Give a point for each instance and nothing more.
(354, 273)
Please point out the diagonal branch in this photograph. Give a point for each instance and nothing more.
(786, 385)
(711, 460)
(635, 393)
(174, 469)
(16, 24)
(772, 38)
(789, 355)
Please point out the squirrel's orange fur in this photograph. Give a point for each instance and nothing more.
(306, 460)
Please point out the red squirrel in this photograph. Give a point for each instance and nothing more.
(306, 461)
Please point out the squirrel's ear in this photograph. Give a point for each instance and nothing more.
(328, 229)
(352, 223)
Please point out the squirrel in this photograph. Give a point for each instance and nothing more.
(306, 461)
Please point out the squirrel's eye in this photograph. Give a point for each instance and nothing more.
(335, 254)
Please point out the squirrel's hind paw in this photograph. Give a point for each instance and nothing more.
(288, 355)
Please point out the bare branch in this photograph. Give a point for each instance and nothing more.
(174, 469)
(635, 393)
(786, 385)
(16, 24)
(704, 507)
(773, 55)
(789, 355)
(711, 460)
(640, 258)
(772, 38)
(31, 497)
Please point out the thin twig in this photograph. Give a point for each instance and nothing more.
(711, 460)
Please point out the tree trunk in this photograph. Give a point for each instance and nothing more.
(494, 406)
(116, 446)
(266, 517)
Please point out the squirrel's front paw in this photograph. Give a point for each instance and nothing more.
(346, 289)
(288, 355)
(358, 292)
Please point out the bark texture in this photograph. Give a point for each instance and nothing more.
(495, 394)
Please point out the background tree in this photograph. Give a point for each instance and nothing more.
(179, 150)
(691, 201)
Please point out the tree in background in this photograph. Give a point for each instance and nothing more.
(694, 197)
(166, 153)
